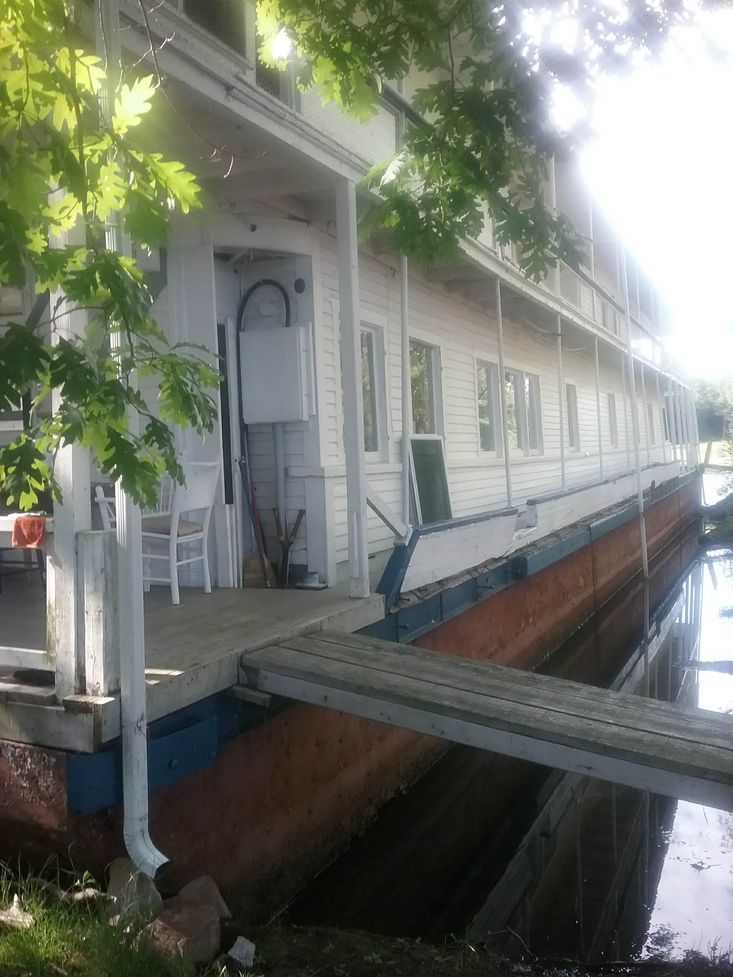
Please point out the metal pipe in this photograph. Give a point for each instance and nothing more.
(598, 409)
(635, 422)
(561, 402)
(626, 413)
(278, 435)
(678, 422)
(502, 395)
(133, 704)
(671, 423)
(406, 379)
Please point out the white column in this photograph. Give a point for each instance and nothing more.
(634, 420)
(660, 408)
(406, 378)
(561, 402)
(348, 269)
(680, 438)
(502, 395)
(646, 415)
(626, 412)
(671, 423)
(598, 409)
(72, 468)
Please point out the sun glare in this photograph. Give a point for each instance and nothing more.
(660, 168)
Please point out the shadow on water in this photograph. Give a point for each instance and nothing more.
(532, 860)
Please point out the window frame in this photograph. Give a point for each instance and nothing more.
(528, 411)
(434, 373)
(493, 403)
(572, 417)
(379, 380)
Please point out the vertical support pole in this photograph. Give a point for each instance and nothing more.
(598, 409)
(679, 437)
(502, 395)
(348, 266)
(647, 426)
(553, 207)
(592, 254)
(635, 423)
(695, 431)
(561, 403)
(627, 440)
(406, 379)
(671, 419)
(99, 585)
(72, 468)
(662, 412)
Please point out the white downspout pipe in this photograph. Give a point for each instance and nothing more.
(660, 407)
(133, 703)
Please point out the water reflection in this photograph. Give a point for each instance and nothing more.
(529, 859)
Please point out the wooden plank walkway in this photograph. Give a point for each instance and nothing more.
(685, 753)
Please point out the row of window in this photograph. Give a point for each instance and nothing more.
(521, 391)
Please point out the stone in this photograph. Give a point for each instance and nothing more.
(188, 933)
(15, 918)
(202, 891)
(133, 892)
(243, 952)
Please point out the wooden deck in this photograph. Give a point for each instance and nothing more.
(685, 753)
(192, 651)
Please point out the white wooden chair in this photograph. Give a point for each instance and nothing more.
(197, 494)
(169, 527)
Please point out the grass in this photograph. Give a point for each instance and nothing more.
(71, 940)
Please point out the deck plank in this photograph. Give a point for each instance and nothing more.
(617, 737)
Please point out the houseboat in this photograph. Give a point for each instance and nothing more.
(455, 456)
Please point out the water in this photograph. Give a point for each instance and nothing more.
(531, 860)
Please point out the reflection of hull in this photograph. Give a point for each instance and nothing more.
(614, 824)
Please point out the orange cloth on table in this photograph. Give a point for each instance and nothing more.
(29, 532)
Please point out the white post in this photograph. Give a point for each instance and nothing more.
(680, 438)
(660, 408)
(686, 426)
(561, 402)
(99, 588)
(598, 410)
(626, 412)
(406, 378)
(348, 266)
(592, 254)
(646, 415)
(502, 394)
(553, 207)
(72, 469)
(635, 421)
(671, 421)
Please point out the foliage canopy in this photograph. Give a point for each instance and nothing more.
(69, 167)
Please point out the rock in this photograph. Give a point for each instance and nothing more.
(188, 933)
(133, 892)
(243, 952)
(201, 892)
(15, 918)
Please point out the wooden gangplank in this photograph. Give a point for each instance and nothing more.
(685, 753)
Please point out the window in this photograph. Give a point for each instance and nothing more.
(524, 411)
(425, 384)
(487, 380)
(612, 421)
(222, 18)
(373, 391)
(651, 436)
(571, 404)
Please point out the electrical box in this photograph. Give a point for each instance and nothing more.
(275, 375)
